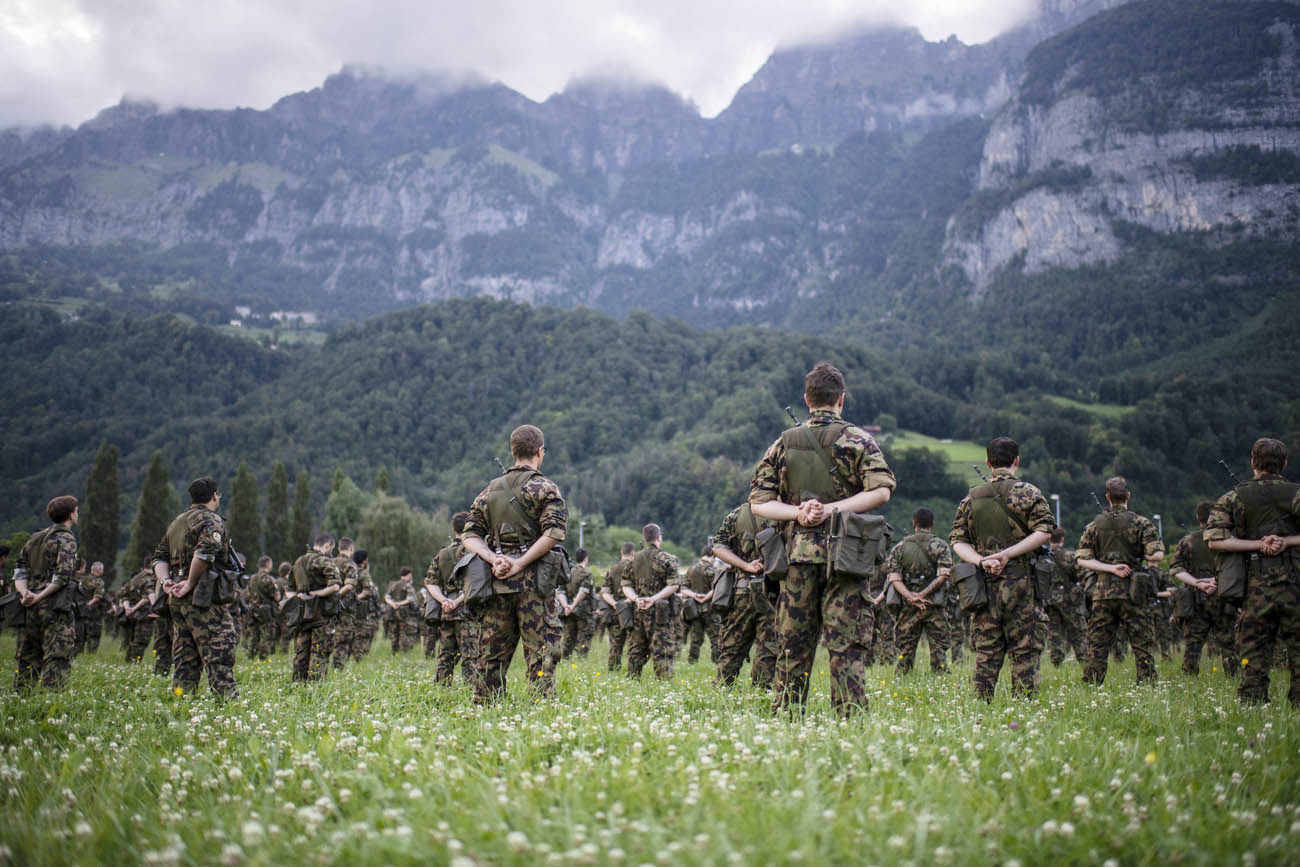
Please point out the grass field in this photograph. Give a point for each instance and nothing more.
(379, 765)
(961, 453)
(1112, 411)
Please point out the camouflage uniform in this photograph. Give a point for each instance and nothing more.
(1131, 539)
(283, 634)
(367, 616)
(430, 630)
(90, 615)
(918, 558)
(137, 629)
(202, 638)
(751, 622)
(1009, 624)
(1208, 618)
(882, 647)
(811, 604)
(1065, 626)
(313, 641)
(164, 633)
(1270, 614)
(617, 633)
(47, 638)
(262, 610)
(578, 626)
(519, 608)
(346, 624)
(653, 633)
(406, 628)
(460, 630)
(699, 579)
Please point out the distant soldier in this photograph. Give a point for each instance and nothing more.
(996, 527)
(90, 612)
(1260, 520)
(612, 594)
(650, 585)
(316, 581)
(513, 524)
(813, 470)
(284, 581)
(749, 625)
(918, 568)
(1203, 616)
(575, 600)
(401, 597)
(264, 606)
(699, 587)
(460, 626)
(1115, 545)
(136, 628)
(345, 626)
(43, 579)
(203, 633)
(1065, 626)
(368, 605)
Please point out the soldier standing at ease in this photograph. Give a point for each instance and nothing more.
(43, 578)
(612, 593)
(822, 466)
(1065, 627)
(513, 524)
(460, 628)
(651, 584)
(918, 567)
(368, 606)
(1114, 546)
(699, 586)
(996, 527)
(575, 600)
(1202, 615)
(284, 581)
(401, 596)
(1260, 519)
(137, 628)
(316, 580)
(91, 612)
(345, 626)
(751, 621)
(203, 637)
(264, 600)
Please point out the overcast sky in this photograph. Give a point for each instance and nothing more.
(61, 61)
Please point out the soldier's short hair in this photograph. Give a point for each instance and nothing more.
(4, 550)
(61, 508)
(360, 556)
(1268, 455)
(923, 518)
(1002, 452)
(323, 538)
(1117, 489)
(265, 563)
(1058, 534)
(285, 568)
(1203, 511)
(628, 548)
(458, 522)
(345, 543)
(202, 489)
(580, 556)
(404, 571)
(525, 442)
(651, 533)
(823, 385)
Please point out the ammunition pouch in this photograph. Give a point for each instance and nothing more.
(215, 587)
(724, 590)
(940, 596)
(327, 607)
(771, 547)
(1046, 588)
(348, 602)
(972, 590)
(1231, 577)
(893, 599)
(552, 570)
(691, 610)
(857, 544)
(12, 611)
(1186, 603)
(475, 576)
(626, 612)
(1139, 587)
(665, 610)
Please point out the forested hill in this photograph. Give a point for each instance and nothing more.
(646, 419)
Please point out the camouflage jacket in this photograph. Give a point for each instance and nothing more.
(1023, 499)
(204, 537)
(347, 570)
(580, 579)
(1193, 556)
(59, 553)
(262, 589)
(651, 570)
(1228, 519)
(540, 500)
(442, 570)
(614, 579)
(314, 571)
(936, 551)
(859, 466)
(91, 587)
(400, 590)
(1067, 574)
(138, 586)
(699, 578)
(730, 537)
(1140, 536)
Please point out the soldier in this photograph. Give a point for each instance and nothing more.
(751, 622)
(1202, 615)
(575, 607)
(699, 586)
(650, 584)
(202, 637)
(90, 613)
(284, 581)
(996, 527)
(137, 628)
(43, 579)
(367, 607)
(345, 625)
(513, 524)
(1114, 546)
(612, 594)
(460, 627)
(1065, 627)
(1260, 520)
(821, 466)
(401, 597)
(264, 605)
(918, 568)
(315, 577)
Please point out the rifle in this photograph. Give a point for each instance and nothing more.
(979, 472)
(1228, 470)
(1097, 501)
(790, 412)
(500, 466)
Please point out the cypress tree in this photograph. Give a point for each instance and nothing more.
(381, 481)
(278, 543)
(300, 529)
(101, 528)
(152, 515)
(344, 507)
(244, 522)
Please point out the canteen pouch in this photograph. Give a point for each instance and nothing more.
(12, 611)
(626, 614)
(771, 546)
(691, 610)
(1139, 586)
(892, 597)
(475, 575)
(432, 610)
(940, 595)
(664, 610)
(1185, 603)
(1043, 568)
(1231, 577)
(293, 612)
(972, 592)
(215, 587)
(857, 544)
(552, 570)
(724, 591)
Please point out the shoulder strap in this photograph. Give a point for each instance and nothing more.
(1000, 499)
(820, 449)
(517, 507)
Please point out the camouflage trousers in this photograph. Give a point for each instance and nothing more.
(579, 630)
(1106, 617)
(203, 639)
(958, 628)
(841, 616)
(882, 647)
(283, 634)
(363, 638)
(1215, 624)
(707, 625)
(135, 638)
(508, 619)
(461, 642)
(312, 645)
(910, 624)
(406, 634)
(45, 648)
(617, 641)
(431, 635)
(345, 630)
(652, 636)
(163, 648)
(1270, 617)
(1065, 632)
(261, 632)
(750, 624)
(1008, 626)
(89, 630)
